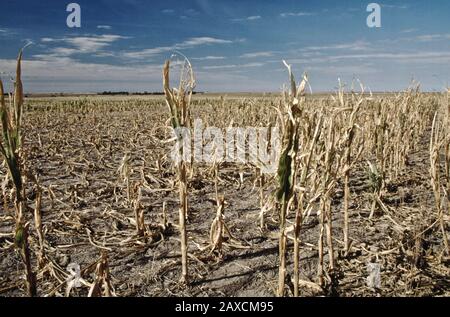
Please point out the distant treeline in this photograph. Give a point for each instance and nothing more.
(127, 93)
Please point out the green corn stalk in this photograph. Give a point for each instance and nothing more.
(11, 137)
(10, 148)
(376, 183)
(287, 167)
(21, 243)
(286, 172)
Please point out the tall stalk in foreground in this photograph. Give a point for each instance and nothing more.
(328, 182)
(286, 169)
(178, 101)
(348, 140)
(300, 208)
(435, 146)
(10, 147)
(447, 152)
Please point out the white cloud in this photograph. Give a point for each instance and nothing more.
(63, 73)
(416, 38)
(60, 74)
(234, 66)
(167, 11)
(6, 32)
(249, 18)
(104, 27)
(63, 51)
(354, 46)
(391, 6)
(190, 13)
(67, 69)
(81, 44)
(295, 14)
(432, 37)
(195, 41)
(408, 30)
(47, 40)
(345, 69)
(88, 44)
(257, 54)
(208, 58)
(104, 54)
(422, 57)
(189, 43)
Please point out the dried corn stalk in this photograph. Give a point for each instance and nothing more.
(124, 171)
(218, 228)
(102, 283)
(300, 209)
(328, 182)
(349, 136)
(39, 230)
(436, 143)
(178, 102)
(138, 210)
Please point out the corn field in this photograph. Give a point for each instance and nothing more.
(92, 204)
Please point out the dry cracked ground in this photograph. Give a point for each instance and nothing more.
(76, 146)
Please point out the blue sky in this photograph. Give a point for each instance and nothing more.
(233, 45)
